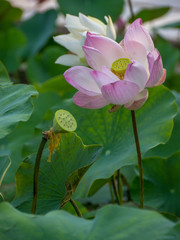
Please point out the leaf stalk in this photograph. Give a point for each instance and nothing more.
(36, 172)
(139, 159)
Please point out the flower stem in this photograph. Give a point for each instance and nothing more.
(120, 187)
(111, 191)
(139, 159)
(36, 173)
(75, 207)
(115, 188)
(131, 9)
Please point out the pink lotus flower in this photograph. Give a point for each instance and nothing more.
(120, 73)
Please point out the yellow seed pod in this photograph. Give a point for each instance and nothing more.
(119, 67)
(64, 122)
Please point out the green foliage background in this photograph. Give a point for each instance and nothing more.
(32, 88)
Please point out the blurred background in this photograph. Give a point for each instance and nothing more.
(27, 27)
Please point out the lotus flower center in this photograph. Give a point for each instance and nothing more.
(119, 67)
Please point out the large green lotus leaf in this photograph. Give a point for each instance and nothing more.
(162, 184)
(12, 42)
(94, 8)
(173, 145)
(69, 208)
(111, 222)
(174, 82)
(114, 131)
(15, 106)
(150, 14)
(38, 30)
(4, 77)
(174, 233)
(1, 197)
(97, 198)
(27, 131)
(42, 67)
(57, 85)
(5, 163)
(59, 178)
(8, 191)
(170, 56)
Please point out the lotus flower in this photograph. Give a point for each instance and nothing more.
(120, 73)
(78, 27)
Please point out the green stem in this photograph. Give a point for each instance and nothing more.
(120, 187)
(139, 160)
(115, 188)
(131, 10)
(75, 207)
(111, 192)
(36, 173)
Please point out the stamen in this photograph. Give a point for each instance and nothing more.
(54, 142)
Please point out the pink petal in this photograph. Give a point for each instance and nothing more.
(136, 73)
(120, 92)
(137, 52)
(138, 101)
(155, 68)
(102, 78)
(109, 48)
(94, 58)
(163, 77)
(80, 78)
(108, 72)
(91, 102)
(136, 32)
(150, 58)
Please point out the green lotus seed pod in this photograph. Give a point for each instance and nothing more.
(119, 67)
(64, 122)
